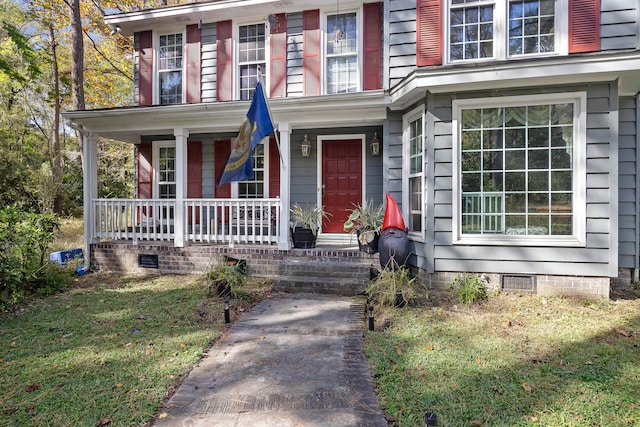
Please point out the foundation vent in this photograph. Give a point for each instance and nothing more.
(518, 283)
(147, 261)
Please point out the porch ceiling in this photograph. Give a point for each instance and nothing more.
(130, 123)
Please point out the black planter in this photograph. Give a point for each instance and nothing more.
(303, 238)
(372, 246)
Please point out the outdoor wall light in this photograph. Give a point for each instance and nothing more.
(306, 146)
(375, 144)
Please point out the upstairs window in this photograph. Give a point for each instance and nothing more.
(342, 73)
(251, 57)
(170, 68)
(492, 29)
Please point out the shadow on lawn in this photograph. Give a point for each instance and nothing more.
(596, 378)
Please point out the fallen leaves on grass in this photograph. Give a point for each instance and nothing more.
(32, 388)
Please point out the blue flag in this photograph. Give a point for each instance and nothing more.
(256, 126)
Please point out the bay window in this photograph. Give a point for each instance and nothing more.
(414, 182)
(520, 166)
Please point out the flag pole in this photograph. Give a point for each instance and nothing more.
(275, 132)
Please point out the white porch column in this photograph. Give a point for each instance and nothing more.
(285, 180)
(181, 135)
(89, 191)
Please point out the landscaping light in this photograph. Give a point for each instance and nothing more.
(227, 317)
(430, 419)
(371, 320)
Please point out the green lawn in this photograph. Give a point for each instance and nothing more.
(511, 361)
(109, 350)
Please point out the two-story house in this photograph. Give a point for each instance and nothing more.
(508, 132)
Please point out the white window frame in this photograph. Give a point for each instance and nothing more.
(501, 32)
(235, 189)
(157, 145)
(326, 37)
(578, 238)
(236, 56)
(417, 113)
(156, 63)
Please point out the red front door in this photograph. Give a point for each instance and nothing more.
(341, 181)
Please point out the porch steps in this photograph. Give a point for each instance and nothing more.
(328, 275)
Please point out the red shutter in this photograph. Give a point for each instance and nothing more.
(429, 33)
(274, 168)
(221, 152)
(193, 64)
(145, 67)
(584, 26)
(279, 57)
(224, 61)
(145, 180)
(194, 169)
(372, 46)
(311, 52)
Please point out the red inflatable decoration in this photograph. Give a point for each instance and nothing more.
(392, 215)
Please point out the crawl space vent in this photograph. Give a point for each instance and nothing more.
(147, 261)
(519, 283)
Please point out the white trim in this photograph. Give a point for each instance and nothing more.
(319, 141)
(155, 79)
(417, 113)
(155, 157)
(235, 192)
(578, 239)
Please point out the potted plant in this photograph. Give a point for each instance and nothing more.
(365, 220)
(306, 221)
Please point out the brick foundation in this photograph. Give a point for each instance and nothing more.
(268, 262)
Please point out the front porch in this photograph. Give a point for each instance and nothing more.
(190, 221)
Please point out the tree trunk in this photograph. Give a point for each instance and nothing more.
(55, 158)
(77, 68)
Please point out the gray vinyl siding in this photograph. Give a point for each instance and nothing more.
(136, 65)
(208, 63)
(627, 182)
(597, 258)
(294, 55)
(618, 24)
(401, 50)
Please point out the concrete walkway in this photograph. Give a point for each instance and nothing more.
(292, 360)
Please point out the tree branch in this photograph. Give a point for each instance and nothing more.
(95, 47)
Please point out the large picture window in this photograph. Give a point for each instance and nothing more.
(519, 166)
(170, 68)
(251, 57)
(499, 29)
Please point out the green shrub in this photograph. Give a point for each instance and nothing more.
(469, 288)
(226, 281)
(24, 243)
(394, 287)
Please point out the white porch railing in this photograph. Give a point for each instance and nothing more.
(205, 220)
